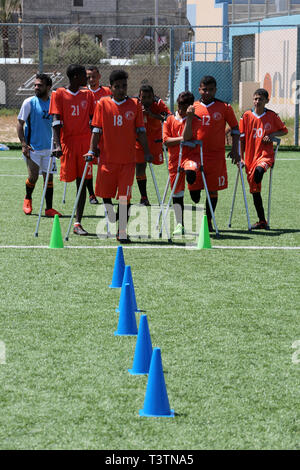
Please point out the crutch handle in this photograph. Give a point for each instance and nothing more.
(276, 140)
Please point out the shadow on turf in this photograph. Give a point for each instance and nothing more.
(266, 233)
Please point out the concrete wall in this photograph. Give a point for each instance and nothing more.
(14, 76)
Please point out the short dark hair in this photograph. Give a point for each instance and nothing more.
(92, 68)
(185, 97)
(208, 80)
(146, 89)
(45, 78)
(75, 69)
(117, 75)
(262, 92)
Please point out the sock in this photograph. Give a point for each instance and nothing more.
(190, 176)
(178, 209)
(195, 195)
(142, 184)
(110, 210)
(213, 201)
(89, 185)
(29, 189)
(259, 206)
(49, 195)
(122, 218)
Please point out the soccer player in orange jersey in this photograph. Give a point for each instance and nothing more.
(118, 121)
(258, 127)
(73, 109)
(214, 115)
(154, 112)
(181, 127)
(93, 81)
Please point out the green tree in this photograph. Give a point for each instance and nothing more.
(73, 47)
(7, 8)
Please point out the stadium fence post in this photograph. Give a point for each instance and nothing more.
(41, 48)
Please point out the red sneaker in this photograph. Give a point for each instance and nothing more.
(262, 224)
(51, 213)
(27, 206)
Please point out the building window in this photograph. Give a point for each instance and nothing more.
(77, 3)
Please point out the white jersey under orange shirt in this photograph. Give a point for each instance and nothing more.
(118, 124)
(253, 129)
(75, 111)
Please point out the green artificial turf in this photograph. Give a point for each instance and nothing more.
(225, 320)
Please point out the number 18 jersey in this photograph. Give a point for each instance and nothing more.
(119, 123)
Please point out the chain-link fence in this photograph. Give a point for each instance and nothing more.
(241, 57)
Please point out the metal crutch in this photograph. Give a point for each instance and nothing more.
(240, 173)
(36, 233)
(277, 140)
(165, 191)
(77, 197)
(159, 199)
(199, 142)
(165, 213)
(65, 191)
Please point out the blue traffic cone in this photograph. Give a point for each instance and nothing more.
(119, 268)
(127, 322)
(143, 349)
(156, 402)
(128, 279)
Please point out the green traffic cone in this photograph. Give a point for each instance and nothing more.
(204, 238)
(56, 240)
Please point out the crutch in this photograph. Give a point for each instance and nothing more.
(65, 191)
(165, 213)
(78, 196)
(199, 142)
(277, 141)
(159, 199)
(166, 187)
(239, 173)
(36, 233)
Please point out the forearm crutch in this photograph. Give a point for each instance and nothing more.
(165, 213)
(239, 173)
(36, 233)
(277, 140)
(77, 198)
(65, 191)
(199, 142)
(159, 199)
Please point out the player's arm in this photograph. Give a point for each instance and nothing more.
(56, 127)
(188, 130)
(159, 117)
(267, 139)
(142, 139)
(94, 144)
(20, 131)
(234, 153)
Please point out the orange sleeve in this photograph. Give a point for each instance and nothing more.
(279, 125)
(167, 132)
(55, 103)
(230, 116)
(163, 108)
(139, 120)
(97, 116)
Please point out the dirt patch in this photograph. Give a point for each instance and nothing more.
(8, 132)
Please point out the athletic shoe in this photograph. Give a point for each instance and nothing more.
(93, 199)
(144, 201)
(27, 206)
(123, 238)
(179, 230)
(51, 213)
(261, 224)
(78, 230)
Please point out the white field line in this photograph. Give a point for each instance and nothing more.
(144, 246)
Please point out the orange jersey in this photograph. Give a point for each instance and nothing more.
(214, 117)
(173, 127)
(74, 109)
(100, 93)
(152, 125)
(119, 123)
(253, 128)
